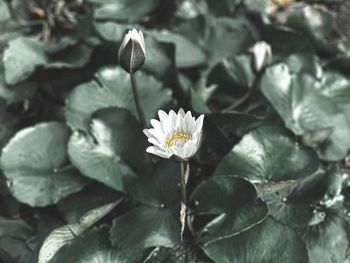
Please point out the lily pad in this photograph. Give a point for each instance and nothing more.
(62, 235)
(158, 213)
(307, 104)
(113, 152)
(267, 242)
(36, 165)
(235, 202)
(94, 246)
(25, 54)
(269, 153)
(113, 89)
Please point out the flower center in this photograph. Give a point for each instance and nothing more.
(177, 139)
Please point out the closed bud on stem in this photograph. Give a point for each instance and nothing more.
(132, 52)
(262, 55)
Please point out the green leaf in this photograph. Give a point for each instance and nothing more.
(267, 242)
(221, 131)
(94, 246)
(123, 10)
(320, 26)
(233, 73)
(14, 234)
(160, 59)
(293, 40)
(21, 58)
(115, 90)
(187, 54)
(35, 163)
(114, 150)
(111, 31)
(217, 36)
(234, 200)
(222, 193)
(24, 55)
(157, 219)
(261, 157)
(327, 242)
(18, 92)
(62, 235)
(297, 206)
(222, 33)
(222, 8)
(73, 207)
(15, 228)
(15, 93)
(307, 104)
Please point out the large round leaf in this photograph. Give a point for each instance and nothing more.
(187, 53)
(35, 163)
(307, 104)
(24, 55)
(269, 153)
(14, 234)
(327, 242)
(62, 235)
(16, 228)
(157, 221)
(73, 207)
(94, 246)
(114, 151)
(235, 202)
(115, 90)
(222, 32)
(268, 242)
(222, 194)
(123, 10)
(297, 206)
(234, 74)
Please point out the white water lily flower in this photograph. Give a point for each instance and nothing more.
(176, 135)
(132, 51)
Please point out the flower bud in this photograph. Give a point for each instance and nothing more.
(262, 55)
(132, 52)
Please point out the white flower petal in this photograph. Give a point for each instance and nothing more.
(183, 130)
(189, 123)
(199, 123)
(156, 124)
(157, 143)
(147, 133)
(154, 150)
(162, 116)
(181, 112)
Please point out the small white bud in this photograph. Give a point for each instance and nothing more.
(132, 51)
(262, 55)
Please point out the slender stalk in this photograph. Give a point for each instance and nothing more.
(240, 102)
(140, 112)
(185, 170)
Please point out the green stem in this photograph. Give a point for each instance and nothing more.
(185, 170)
(140, 112)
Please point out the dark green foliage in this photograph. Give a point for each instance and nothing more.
(270, 182)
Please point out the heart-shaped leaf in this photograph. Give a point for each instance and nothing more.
(235, 202)
(307, 104)
(35, 163)
(268, 242)
(115, 90)
(158, 214)
(114, 151)
(269, 153)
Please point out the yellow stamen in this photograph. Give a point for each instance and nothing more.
(182, 136)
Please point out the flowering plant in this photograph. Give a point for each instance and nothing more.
(174, 131)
